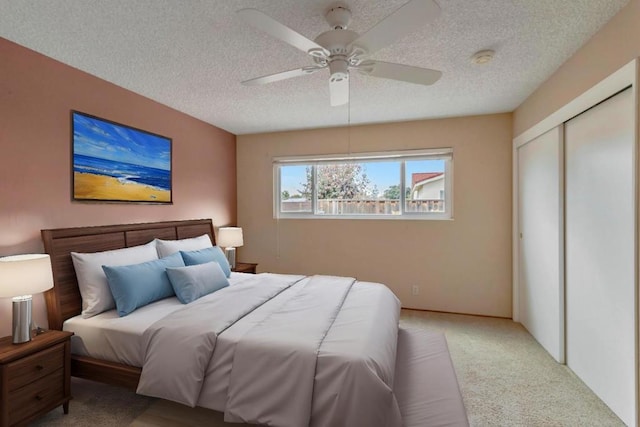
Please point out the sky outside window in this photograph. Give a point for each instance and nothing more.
(292, 178)
(381, 174)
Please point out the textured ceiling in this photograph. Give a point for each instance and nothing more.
(191, 55)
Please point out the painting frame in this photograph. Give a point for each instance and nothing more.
(116, 163)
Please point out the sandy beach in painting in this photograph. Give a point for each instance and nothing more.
(100, 187)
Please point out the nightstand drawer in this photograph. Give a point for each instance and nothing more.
(34, 367)
(35, 377)
(46, 392)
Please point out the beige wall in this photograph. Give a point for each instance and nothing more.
(616, 44)
(463, 265)
(36, 97)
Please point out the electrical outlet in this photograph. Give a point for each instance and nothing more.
(415, 290)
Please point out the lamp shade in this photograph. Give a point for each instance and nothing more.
(25, 275)
(230, 237)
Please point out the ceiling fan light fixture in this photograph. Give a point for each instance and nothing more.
(483, 57)
(339, 69)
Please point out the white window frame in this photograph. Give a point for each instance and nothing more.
(445, 154)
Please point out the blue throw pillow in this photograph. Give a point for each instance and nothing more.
(207, 255)
(195, 281)
(137, 285)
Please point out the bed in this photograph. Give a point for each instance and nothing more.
(351, 373)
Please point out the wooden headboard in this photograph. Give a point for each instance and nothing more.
(63, 300)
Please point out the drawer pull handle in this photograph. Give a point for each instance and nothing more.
(38, 397)
(39, 367)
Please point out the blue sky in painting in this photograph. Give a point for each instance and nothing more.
(104, 140)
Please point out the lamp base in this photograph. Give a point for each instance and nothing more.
(21, 325)
(231, 256)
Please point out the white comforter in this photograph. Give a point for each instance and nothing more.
(321, 352)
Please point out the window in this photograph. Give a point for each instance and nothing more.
(399, 185)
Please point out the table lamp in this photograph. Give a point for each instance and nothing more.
(20, 277)
(230, 238)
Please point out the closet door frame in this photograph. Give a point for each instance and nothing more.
(628, 75)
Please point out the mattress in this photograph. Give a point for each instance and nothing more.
(118, 339)
(274, 314)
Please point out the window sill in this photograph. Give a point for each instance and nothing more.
(423, 217)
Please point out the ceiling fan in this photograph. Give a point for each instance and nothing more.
(341, 50)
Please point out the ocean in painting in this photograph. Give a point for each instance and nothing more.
(123, 172)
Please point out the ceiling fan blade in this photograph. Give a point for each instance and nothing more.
(409, 17)
(280, 31)
(405, 73)
(281, 76)
(339, 90)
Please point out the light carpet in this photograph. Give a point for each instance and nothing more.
(506, 379)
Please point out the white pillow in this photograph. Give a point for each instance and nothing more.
(92, 282)
(170, 247)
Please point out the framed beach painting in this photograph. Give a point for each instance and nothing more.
(117, 163)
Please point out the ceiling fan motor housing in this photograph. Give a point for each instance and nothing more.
(336, 41)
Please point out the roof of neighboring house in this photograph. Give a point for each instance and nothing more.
(423, 176)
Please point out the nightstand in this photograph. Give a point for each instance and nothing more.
(245, 267)
(35, 376)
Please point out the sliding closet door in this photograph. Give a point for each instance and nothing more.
(600, 252)
(540, 217)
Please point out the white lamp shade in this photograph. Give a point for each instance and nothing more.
(230, 237)
(25, 275)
